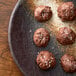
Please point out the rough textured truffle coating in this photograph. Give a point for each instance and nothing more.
(66, 36)
(41, 37)
(43, 13)
(45, 60)
(67, 11)
(68, 63)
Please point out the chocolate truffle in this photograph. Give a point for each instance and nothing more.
(43, 13)
(68, 63)
(67, 11)
(41, 37)
(66, 36)
(45, 60)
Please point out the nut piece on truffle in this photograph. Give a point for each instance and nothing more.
(43, 13)
(66, 36)
(67, 11)
(41, 37)
(46, 60)
(68, 63)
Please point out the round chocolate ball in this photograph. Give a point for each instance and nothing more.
(41, 37)
(66, 36)
(67, 11)
(43, 13)
(45, 60)
(68, 63)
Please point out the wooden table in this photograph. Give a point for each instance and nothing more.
(7, 64)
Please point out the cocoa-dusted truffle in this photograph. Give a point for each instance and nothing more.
(41, 37)
(42, 13)
(67, 11)
(46, 60)
(68, 63)
(66, 36)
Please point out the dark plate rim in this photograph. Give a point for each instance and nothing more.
(9, 33)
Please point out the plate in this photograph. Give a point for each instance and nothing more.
(20, 36)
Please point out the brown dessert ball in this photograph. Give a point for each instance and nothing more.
(43, 13)
(67, 11)
(68, 63)
(46, 60)
(66, 36)
(41, 37)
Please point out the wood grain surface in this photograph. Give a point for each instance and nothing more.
(7, 64)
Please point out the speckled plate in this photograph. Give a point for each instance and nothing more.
(20, 36)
